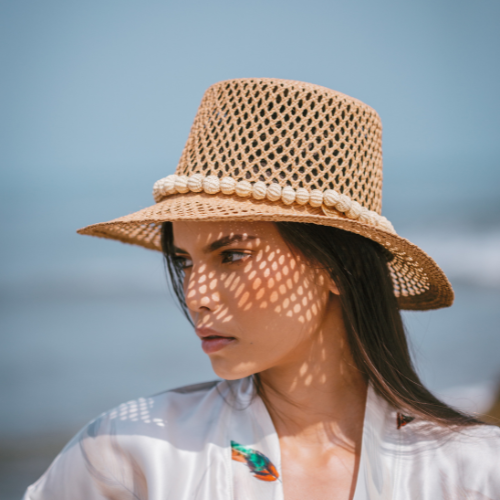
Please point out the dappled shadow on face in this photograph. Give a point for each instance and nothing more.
(266, 279)
(246, 280)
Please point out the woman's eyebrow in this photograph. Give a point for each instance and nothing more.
(179, 250)
(227, 240)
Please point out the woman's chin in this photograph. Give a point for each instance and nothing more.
(232, 371)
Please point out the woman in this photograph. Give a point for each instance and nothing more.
(277, 251)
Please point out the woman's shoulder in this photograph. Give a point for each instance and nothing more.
(456, 460)
(467, 440)
(118, 449)
(479, 442)
(169, 416)
(425, 460)
(167, 407)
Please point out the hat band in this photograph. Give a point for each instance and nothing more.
(273, 192)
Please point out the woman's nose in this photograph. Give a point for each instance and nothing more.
(201, 291)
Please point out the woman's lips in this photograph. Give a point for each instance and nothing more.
(214, 344)
(212, 341)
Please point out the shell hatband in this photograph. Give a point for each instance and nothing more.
(327, 200)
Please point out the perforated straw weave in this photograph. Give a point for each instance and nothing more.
(269, 150)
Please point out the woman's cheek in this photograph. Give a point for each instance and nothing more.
(275, 293)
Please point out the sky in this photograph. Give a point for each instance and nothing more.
(103, 91)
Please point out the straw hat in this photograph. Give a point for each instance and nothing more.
(263, 149)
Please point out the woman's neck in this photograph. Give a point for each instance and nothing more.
(318, 395)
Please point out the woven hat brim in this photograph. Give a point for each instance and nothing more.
(419, 283)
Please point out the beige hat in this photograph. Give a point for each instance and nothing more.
(263, 149)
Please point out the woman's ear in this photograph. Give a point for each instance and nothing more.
(333, 288)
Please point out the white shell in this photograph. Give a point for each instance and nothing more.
(243, 189)
(367, 217)
(158, 190)
(344, 203)
(385, 224)
(195, 183)
(169, 184)
(316, 198)
(288, 195)
(302, 196)
(273, 192)
(227, 185)
(164, 187)
(259, 190)
(355, 211)
(181, 184)
(211, 184)
(330, 197)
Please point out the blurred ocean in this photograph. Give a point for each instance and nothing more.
(96, 103)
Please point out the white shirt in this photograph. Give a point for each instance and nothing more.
(216, 441)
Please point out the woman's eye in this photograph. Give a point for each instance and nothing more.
(183, 262)
(230, 256)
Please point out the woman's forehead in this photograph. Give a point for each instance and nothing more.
(205, 232)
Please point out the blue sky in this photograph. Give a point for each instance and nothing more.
(98, 89)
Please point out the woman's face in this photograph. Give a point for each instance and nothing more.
(255, 304)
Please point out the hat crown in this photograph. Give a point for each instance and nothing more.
(287, 132)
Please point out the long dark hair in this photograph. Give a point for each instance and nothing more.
(375, 329)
